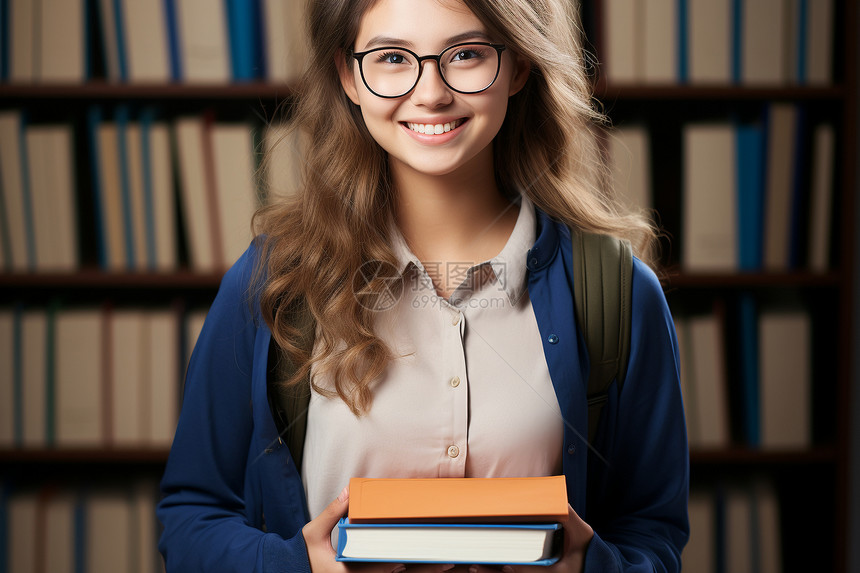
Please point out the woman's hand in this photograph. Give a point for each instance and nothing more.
(321, 554)
(577, 536)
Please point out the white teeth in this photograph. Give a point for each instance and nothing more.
(435, 129)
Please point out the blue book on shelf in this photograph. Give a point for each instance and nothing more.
(172, 27)
(748, 340)
(497, 543)
(94, 119)
(737, 41)
(4, 40)
(240, 29)
(750, 184)
(683, 42)
(122, 61)
(801, 30)
(122, 118)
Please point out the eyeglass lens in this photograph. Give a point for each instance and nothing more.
(467, 68)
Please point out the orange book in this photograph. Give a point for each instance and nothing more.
(458, 500)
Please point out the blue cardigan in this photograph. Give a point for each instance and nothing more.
(233, 500)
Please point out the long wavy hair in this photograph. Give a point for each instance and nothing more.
(315, 243)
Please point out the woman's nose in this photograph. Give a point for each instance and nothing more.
(431, 90)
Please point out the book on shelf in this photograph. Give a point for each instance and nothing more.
(204, 45)
(628, 148)
(105, 526)
(718, 42)
(821, 202)
(8, 338)
(709, 34)
(47, 41)
(710, 233)
(782, 142)
(785, 339)
(454, 520)
(146, 43)
(16, 193)
(53, 196)
(285, 42)
(758, 194)
(705, 352)
(700, 553)
(91, 376)
(734, 526)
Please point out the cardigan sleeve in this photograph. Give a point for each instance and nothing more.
(203, 509)
(637, 500)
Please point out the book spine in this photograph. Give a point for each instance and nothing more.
(121, 57)
(174, 43)
(146, 119)
(94, 119)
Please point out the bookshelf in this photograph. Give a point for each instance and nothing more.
(665, 108)
(811, 481)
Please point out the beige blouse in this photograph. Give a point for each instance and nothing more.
(469, 394)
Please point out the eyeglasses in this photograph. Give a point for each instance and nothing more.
(468, 68)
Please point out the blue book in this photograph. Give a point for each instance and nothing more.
(802, 39)
(94, 119)
(750, 186)
(4, 40)
(173, 43)
(122, 61)
(240, 29)
(683, 42)
(464, 543)
(737, 47)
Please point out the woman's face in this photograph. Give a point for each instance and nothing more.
(427, 27)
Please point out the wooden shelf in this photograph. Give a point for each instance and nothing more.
(84, 456)
(799, 279)
(678, 92)
(97, 279)
(125, 92)
(757, 457)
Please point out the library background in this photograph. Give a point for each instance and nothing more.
(130, 139)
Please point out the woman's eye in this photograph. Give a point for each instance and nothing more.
(391, 58)
(461, 55)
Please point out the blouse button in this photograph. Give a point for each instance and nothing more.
(571, 449)
(553, 339)
(453, 451)
(455, 381)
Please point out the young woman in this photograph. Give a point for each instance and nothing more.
(450, 153)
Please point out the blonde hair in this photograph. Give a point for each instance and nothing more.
(314, 244)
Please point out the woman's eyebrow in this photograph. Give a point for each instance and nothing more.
(377, 41)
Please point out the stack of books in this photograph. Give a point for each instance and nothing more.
(455, 520)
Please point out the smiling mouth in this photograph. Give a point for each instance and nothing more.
(434, 128)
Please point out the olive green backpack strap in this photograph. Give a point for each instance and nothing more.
(289, 404)
(603, 293)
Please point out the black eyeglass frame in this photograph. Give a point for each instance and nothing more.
(359, 57)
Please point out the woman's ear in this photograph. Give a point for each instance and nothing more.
(522, 69)
(347, 77)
